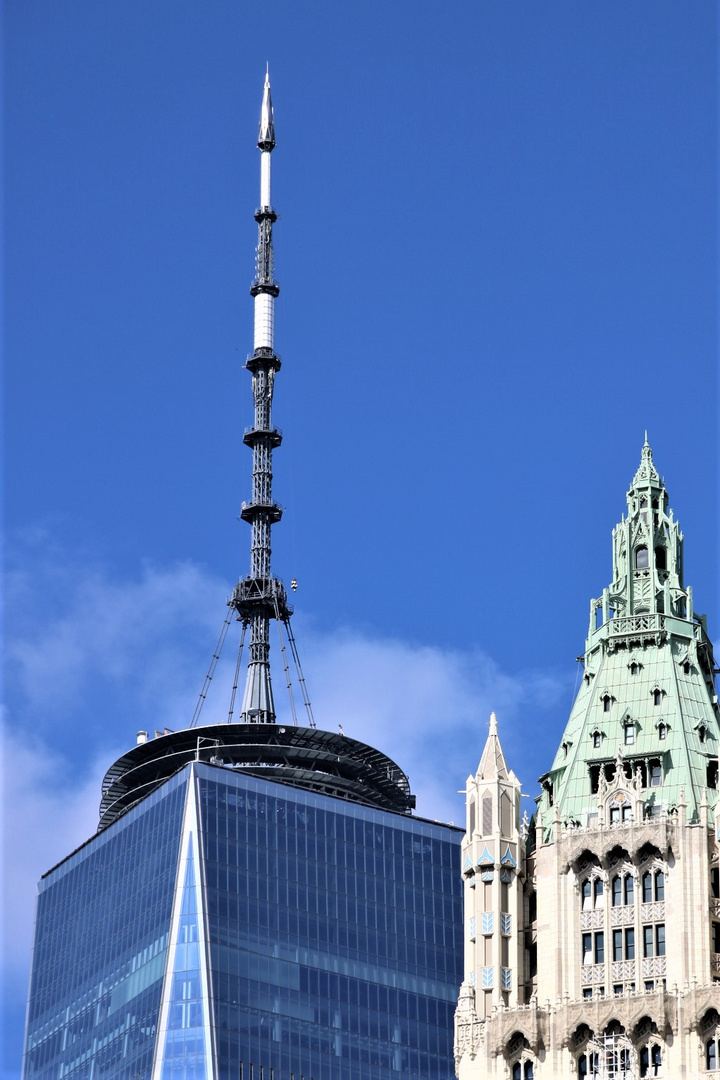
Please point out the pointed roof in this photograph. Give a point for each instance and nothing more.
(646, 473)
(492, 763)
(266, 134)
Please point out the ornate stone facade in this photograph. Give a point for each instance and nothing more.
(592, 935)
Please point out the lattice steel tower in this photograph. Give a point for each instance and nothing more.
(261, 597)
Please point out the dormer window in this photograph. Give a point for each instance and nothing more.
(634, 668)
(662, 731)
(641, 558)
(607, 703)
(657, 696)
(702, 733)
(596, 739)
(686, 667)
(629, 732)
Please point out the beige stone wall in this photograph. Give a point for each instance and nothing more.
(576, 1004)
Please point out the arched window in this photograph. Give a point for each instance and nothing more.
(607, 703)
(657, 696)
(660, 558)
(641, 558)
(711, 1055)
(598, 892)
(662, 731)
(616, 891)
(659, 885)
(587, 895)
(629, 890)
(634, 668)
(517, 1071)
(647, 887)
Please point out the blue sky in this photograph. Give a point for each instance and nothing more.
(497, 252)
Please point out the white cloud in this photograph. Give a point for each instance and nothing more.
(44, 819)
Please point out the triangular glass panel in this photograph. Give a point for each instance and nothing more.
(184, 1054)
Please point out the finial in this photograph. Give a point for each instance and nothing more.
(646, 473)
(493, 724)
(266, 135)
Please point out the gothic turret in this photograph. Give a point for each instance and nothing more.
(493, 872)
(644, 727)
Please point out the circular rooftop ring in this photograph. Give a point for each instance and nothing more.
(322, 761)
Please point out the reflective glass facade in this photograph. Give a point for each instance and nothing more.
(309, 937)
(101, 934)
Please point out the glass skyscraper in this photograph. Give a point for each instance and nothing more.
(224, 925)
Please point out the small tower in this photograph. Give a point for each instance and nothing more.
(261, 597)
(493, 873)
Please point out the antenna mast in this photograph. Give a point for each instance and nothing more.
(260, 596)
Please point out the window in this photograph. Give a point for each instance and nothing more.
(716, 936)
(629, 734)
(660, 939)
(598, 891)
(586, 895)
(662, 731)
(641, 558)
(587, 948)
(634, 668)
(648, 941)
(650, 1060)
(597, 739)
(587, 991)
(655, 774)
(647, 887)
(660, 558)
(715, 881)
(528, 1071)
(629, 890)
(657, 697)
(702, 733)
(600, 947)
(629, 944)
(607, 703)
(616, 891)
(617, 945)
(659, 885)
(711, 1056)
(517, 1071)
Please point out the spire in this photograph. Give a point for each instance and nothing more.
(492, 763)
(646, 473)
(261, 597)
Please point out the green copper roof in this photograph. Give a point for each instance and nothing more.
(647, 703)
